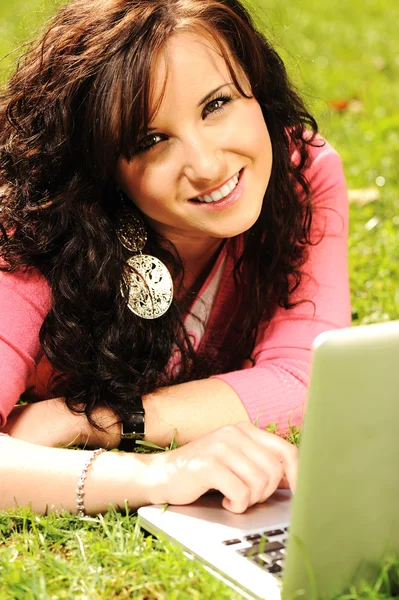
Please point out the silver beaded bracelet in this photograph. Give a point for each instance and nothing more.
(80, 490)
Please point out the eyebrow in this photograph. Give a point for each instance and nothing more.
(200, 103)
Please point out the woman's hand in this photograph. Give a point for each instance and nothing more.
(243, 462)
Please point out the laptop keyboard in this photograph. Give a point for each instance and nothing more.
(266, 549)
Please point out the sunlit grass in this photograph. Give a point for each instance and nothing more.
(344, 57)
(56, 557)
(347, 53)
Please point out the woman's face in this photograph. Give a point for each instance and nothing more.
(204, 136)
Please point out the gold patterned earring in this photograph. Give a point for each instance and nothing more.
(150, 283)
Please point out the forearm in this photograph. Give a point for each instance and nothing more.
(48, 423)
(193, 409)
(46, 478)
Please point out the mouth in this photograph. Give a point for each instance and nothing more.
(221, 193)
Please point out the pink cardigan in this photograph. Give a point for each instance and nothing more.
(272, 386)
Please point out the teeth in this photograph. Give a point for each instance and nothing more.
(222, 192)
(225, 190)
(217, 195)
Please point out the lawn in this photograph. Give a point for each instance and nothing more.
(344, 57)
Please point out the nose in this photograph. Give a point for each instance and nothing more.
(203, 158)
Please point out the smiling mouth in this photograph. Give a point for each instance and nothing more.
(220, 193)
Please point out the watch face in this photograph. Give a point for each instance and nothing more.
(134, 428)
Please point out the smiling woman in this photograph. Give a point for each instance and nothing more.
(171, 223)
(198, 147)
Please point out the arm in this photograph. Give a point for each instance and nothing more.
(50, 423)
(28, 473)
(275, 389)
(245, 464)
(24, 303)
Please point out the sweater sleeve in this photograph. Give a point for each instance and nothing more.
(24, 303)
(273, 386)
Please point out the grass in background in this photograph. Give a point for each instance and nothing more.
(344, 58)
(104, 557)
(19, 20)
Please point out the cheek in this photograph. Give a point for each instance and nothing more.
(254, 134)
(145, 189)
(256, 124)
(145, 185)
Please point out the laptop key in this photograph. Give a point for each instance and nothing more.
(273, 532)
(265, 558)
(272, 547)
(272, 556)
(260, 561)
(275, 568)
(261, 548)
(254, 537)
(231, 542)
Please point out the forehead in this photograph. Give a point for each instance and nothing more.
(190, 65)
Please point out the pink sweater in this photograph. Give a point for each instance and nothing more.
(272, 386)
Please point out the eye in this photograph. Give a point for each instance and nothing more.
(148, 142)
(216, 105)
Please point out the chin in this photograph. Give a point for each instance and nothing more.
(241, 224)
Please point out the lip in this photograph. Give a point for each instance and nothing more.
(227, 201)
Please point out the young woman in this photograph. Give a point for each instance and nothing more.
(173, 238)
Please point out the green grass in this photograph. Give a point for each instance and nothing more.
(348, 51)
(335, 51)
(61, 556)
(105, 557)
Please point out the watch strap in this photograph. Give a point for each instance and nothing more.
(132, 429)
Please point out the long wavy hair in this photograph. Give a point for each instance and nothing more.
(76, 103)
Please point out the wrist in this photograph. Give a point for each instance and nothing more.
(140, 478)
(157, 428)
(117, 479)
(133, 427)
(155, 482)
(108, 436)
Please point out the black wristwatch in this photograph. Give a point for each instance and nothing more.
(132, 429)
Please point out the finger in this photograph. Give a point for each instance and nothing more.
(255, 474)
(276, 474)
(236, 493)
(273, 471)
(284, 485)
(286, 452)
(259, 468)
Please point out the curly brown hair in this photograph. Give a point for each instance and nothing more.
(76, 104)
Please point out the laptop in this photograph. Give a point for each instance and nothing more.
(344, 518)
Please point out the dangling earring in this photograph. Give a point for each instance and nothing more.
(150, 283)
